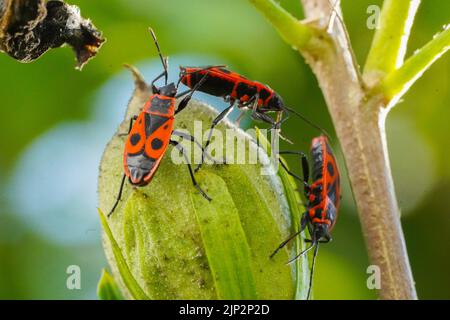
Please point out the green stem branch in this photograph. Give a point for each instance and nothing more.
(398, 82)
(359, 124)
(358, 110)
(390, 41)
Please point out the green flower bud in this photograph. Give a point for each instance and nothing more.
(166, 241)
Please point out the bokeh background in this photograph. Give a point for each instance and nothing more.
(55, 121)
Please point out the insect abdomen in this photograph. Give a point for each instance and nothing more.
(317, 159)
(214, 84)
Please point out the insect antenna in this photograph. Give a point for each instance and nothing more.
(313, 244)
(312, 270)
(309, 122)
(285, 242)
(163, 60)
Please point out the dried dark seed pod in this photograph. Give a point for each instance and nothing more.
(29, 28)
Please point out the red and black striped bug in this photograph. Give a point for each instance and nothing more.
(150, 133)
(323, 198)
(233, 87)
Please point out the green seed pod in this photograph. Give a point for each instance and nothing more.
(166, 241)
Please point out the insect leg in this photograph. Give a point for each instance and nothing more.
(289, 171)
(277, 125)
(119, 195)
(133, 118)
(303, 223)
(285, 242)
(215, 122)
(312, 270)
(183, 104)
(190, 92)
(327, 237)
(154, 89)
(241, 115)
(243, 106)
(305, 169)
(177, 145)
(192, 139)
(321, 241)
(254, 100)
(259, 116)
(304, 220)
(183, 93)
(313, 244)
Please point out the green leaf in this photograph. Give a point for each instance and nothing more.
(178, 245)
(225, 244)
(107, 288)
(133, 287)
(296, 209)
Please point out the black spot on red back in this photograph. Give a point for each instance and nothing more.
(135, 138)
(332, 192)
(317, 195)
(244, 89)
(318, 213)
(156, 144)
(264, 93)
(330, 169)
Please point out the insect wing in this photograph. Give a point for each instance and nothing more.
(333, 180)
(159, 137)
(137, 136)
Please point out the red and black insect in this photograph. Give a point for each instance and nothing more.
(235, 88)
(323, 197)
(150, 133)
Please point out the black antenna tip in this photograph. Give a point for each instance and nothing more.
(152, 32)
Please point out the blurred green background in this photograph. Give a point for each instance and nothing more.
(55, 121)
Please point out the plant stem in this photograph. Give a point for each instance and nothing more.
(359, 109)
(390, 41)
(399, 81)
(359, 124)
